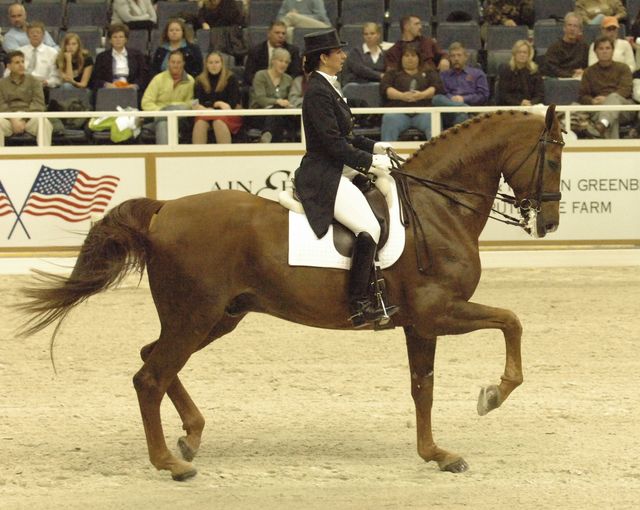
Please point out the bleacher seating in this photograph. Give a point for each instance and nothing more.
(561, 91)
(203, 38)
(500, 37)
(544, 9)
(70, 136)
(263, 12)
(466, 33)
(91, 38)
(400, 8)
(352, 35)
(361, 11)
(167, 10)
(445, 8)
(51, 14)
(139, 40)
(85, 14)
(332, 11)
(545, 33)
(107, 100)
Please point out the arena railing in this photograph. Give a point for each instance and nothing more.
(174, 115)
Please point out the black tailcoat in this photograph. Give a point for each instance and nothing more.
(330, 146)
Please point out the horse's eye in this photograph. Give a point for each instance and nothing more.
(553, 164)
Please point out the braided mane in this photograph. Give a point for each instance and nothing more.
(452, 132)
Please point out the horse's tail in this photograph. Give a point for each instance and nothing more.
(115, 246)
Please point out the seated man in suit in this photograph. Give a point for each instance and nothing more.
(259, 56)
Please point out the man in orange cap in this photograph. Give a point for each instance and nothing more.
(622, 50)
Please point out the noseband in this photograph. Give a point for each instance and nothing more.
(536, 195)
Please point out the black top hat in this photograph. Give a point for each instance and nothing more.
(322, 40)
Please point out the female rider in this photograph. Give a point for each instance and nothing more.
(334, 156)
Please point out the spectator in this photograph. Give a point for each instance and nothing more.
(509, 13)
(430, 54)
(606, 82)
(303, 14)
(622, 50)
(260, 55)
(366, 63)
(634, 38)
(594, 11)
(170, 90)
(568, 56)
(136, 14)
(120, 66)
(410, 85)
(520, 82)
(176, 36)
(74, 63)
(216, 88)
(463, 86)
(40, 59)
(636, 87)
(17, 36)
(20, 92)
(270, 89)
(219, 13)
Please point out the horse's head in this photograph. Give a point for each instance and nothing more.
(535, 179)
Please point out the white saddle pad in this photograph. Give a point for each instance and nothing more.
(305, 249)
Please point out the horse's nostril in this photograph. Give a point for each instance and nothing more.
(551, 227)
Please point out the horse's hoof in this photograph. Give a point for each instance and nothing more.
(181, 477)
(489, 399)
(186, 451)
(458, 466)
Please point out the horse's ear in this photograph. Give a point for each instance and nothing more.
(551, 116)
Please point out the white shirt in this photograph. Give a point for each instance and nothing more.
(622, 52)
(120, 64)
(374, 56)
(45, 67)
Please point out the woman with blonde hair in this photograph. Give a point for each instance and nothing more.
(74, 62)
(365, 63)
(216, 88)
(520, 82)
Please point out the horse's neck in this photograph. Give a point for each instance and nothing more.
(464, 160)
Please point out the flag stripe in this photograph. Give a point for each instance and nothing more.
(69, 194)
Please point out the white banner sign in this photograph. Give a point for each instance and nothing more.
(600, 190)
(50, 202)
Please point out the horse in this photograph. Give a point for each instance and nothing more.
(212, 258)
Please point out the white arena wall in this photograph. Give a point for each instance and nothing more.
(600, 186)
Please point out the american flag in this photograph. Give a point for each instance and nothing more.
(70, 194)
(5, 204)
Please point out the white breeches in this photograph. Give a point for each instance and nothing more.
(353, 210)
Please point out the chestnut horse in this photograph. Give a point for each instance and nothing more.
(214, 257)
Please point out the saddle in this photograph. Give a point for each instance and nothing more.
(343, 238)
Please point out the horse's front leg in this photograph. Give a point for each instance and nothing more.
(422, 353)
(464, 317)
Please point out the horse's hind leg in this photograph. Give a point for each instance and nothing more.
(170, 353)
(192, 420)
(421, 351)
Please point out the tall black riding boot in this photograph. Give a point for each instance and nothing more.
(363, 311)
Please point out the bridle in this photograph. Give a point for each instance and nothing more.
(532, 201)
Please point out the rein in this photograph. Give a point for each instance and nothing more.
(448, 191)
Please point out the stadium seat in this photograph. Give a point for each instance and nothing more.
(352, 35)
(51, 14)
(544, 9)
(263, 12)
(466, 33)
(400, 8)
(356, 12)
(545, 33)
(70, 136)
(561, 91)
(298, 35)
(500, 37)
(332, 11)
(369, 94)
(107, 100)
(257, 34)
(203, 38)
(444, 8)
(139, 40)
(167, 10)
(495, 59)
(85, 14)
(90, 36)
